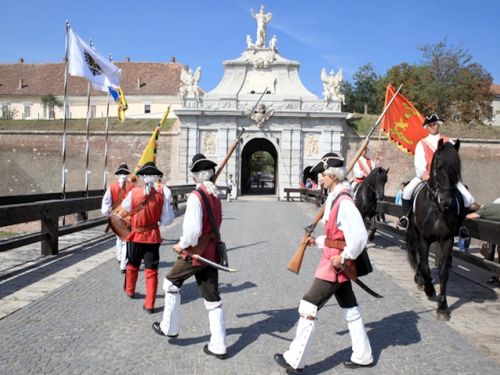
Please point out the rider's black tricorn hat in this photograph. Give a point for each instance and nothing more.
(149, 169)
(201, 163)
(122, 170)
(429, 119)
(328, 160)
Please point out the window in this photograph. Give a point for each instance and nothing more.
(147, 108)
(27, 111)
(93, 111)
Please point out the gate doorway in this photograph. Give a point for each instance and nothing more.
(259, 162)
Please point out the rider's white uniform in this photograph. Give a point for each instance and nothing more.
(421, 168)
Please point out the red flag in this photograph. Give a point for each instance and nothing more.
(403, 122)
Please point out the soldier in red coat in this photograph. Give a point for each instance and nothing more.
(113, 198)
(198, 238)
(149, 209)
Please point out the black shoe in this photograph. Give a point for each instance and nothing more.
(157, 329)
(352, 365)
(149, 311)
(123, 271)
(220, 356)
(280, 360)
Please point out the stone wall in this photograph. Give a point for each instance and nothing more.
(31, 162)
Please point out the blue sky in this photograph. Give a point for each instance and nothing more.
(324, 33)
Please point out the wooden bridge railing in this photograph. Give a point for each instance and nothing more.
(48, 208)
(481, 229)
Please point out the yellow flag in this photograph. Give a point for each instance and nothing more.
(149, 153)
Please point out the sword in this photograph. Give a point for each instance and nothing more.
(367, 289)
(212, 264)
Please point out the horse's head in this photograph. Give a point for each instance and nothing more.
(378, 177)
(445, 173)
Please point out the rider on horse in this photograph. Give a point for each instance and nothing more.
(424, 152)
(364, 165)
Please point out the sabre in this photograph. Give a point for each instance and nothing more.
(213, 264)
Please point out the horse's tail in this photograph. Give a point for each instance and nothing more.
(411, 247)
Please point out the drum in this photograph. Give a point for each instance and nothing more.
(119, 222)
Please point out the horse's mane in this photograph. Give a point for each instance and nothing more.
(372, 176)
(450, 160)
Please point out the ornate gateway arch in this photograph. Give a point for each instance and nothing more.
(291, 123)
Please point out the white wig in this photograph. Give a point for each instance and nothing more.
(203, 177)
(338, 172)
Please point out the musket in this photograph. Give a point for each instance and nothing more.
(296, 261)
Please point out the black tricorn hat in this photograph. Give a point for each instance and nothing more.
(122, 169)
(432, 118)
(328, 160)
(201, 163)
(149, 169)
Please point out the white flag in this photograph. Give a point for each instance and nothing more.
(84, 61)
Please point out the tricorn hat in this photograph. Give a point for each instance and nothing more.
(149, 169)
(122, 169)
(201, 163)
(432, 118)
(328, 160)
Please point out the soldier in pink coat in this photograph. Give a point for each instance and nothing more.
(345, 238)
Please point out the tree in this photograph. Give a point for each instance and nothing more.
(50, 102)
(8, 113)
(455, 86)
(347, 90)
(366, 91)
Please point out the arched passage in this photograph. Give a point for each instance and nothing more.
(259, 162)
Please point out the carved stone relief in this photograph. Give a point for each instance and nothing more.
(209, 143)
(311, 146)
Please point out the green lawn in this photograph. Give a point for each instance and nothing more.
(6, 234)
(98, 124)
(363, 123)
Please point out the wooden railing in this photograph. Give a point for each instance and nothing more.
(48, 208)
(481, 229)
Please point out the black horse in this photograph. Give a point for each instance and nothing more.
(439, 213)
(367, 194)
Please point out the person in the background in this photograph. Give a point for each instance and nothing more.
(112, 199)
(399, 194)
(233, 191)
(489, 212)
(364, 165)
(149, 207)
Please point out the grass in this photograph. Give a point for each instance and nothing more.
(4, 234)
(98, 124)
(363, 123)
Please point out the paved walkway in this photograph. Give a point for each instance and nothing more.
(87, 325)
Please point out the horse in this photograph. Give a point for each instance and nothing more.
(368, 192)
(438, 214)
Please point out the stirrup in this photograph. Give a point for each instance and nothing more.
(400, 225)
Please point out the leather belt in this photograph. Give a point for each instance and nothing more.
(334, 244)
(144, 229)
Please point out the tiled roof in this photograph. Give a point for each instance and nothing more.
(495, 88)
(138, 78)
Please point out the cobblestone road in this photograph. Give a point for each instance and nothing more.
(88, 326)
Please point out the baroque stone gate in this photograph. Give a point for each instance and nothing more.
(290, 122)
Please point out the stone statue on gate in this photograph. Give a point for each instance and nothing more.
(331, 86)
(262, 20)
(189, 83)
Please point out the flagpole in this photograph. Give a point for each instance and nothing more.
(367, 139)
(65, 115)
(87, 146)
(106, 146)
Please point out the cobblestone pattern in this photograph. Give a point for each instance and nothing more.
(88, 326)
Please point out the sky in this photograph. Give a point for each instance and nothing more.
(329, 34)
